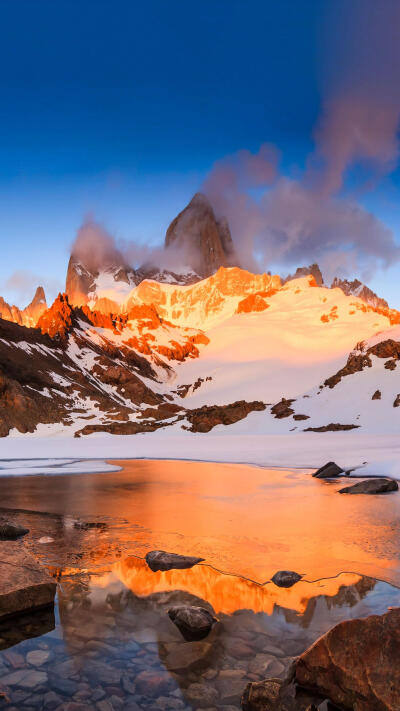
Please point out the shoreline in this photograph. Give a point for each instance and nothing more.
(374, 455)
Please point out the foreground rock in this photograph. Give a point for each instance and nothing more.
(24, 585)
(160, 560)
(277, 695)
(286, 578)
(195, 623)
(371, 486)
(356, 664)
(11, 531)
(328, 471)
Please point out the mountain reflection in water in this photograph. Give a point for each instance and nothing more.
(113, 646)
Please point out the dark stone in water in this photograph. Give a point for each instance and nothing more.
(286, 578)
(371, 486)
(193, 622)
(160, 560)
(11, 531)
(89, 525)
(328, 471)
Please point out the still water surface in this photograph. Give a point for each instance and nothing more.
(109, 644)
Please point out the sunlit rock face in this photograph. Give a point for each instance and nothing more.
(101, 288)
(207, 302)
(28, 316)
(205, 241)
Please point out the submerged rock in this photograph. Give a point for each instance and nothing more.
(328, 471)
(262, 695)
(356, 664)
(193, 622)
(11, 531)
(286, 578)
(371, 486)
(90, 525)
(160, 560)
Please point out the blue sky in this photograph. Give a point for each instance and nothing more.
(119, 110)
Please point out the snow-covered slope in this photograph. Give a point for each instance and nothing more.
(299, 340)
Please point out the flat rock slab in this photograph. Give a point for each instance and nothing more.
(24, 585)
(371, 486)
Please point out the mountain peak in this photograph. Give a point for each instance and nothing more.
(202, 240)
(200, 200)
(39, 298)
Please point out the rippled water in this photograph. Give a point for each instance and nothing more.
(109, 643)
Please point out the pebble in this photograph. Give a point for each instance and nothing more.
(37, 657)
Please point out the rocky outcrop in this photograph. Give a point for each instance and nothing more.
(356, 664)
(58, 320)
(360, 359)
(357, 288)
(332, 427)
(282, 409)
(312, 270)
(203, 419)
(161, 560)
(371, 486)
(194, 623)
(253, 302)
(203, 241)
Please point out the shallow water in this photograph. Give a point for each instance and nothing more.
(110, 644)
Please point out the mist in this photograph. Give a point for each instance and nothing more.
(97, 248)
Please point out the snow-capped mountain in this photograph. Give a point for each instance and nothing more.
(267, 357)
(195, 239)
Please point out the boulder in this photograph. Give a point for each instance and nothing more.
(24, 585)
(356, 664)
(286, 578)
(377, 395)
(371, 486)
(11, 531)
(328, 471)
(160, 560)
(193, 622)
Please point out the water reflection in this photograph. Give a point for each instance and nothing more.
(113, 645)
(114, 640)
(242, 519)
